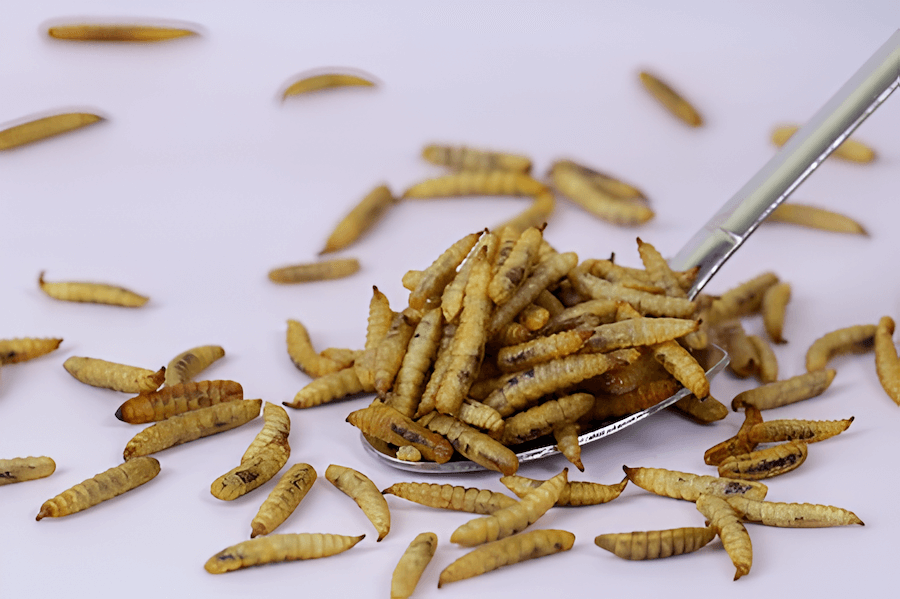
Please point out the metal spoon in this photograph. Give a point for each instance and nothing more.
(724, 233)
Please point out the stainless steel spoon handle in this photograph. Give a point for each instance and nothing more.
(718, 239)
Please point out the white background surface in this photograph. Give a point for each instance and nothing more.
(201, 180)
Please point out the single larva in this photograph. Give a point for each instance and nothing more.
(857, 339)
(511, 550)
(117, 33)
(792, 515)
(273, 549)
(110, 375)
(738, 444)
(781, 393)
(13, 351)
(887, 364)
(410, 380)
(438, 275)
(472, 444)
(774, 305)
(153, 406)
(468, 159)
(808, 431)
(566, 436)
(387, 424)
(765, 463)
(329, 387)
(476, 414)
(573, 493)
(449, 497)
(324, 81)
(542, 349)
(671, 100)
(190, 426)
(324, 270)
(516, 266)
(528, 386)
(656, 544)
(36, 130)
(724, 520)
(815, 218)
(687, 486)
(267, 454)
(743, 299)
(704, 411)
(683, 366)
(106, 485)
(184, 367)
(578, 184)
(540, 420)
(377, 326)
(658, 269)
(515, 518)
(366, 495)
(638, 331)
(465, 183)
(283, 500)
(850, 149)
(648, 304)
(94, 293)
(411, 565)
(362, 218)
(766, 361)
(18, 470)
(452, 297)
(731, 336)
(392, 349)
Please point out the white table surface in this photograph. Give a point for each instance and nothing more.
(201, 180)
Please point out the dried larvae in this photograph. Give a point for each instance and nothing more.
(781, 393)
(566, 436)
(273, 549)
(887, 364)
(630, 377)
(541, 349)
(573, 494)
(106, 485)
(268, 453)
(454, 293)
(648, 304)
(110, 375)
(153, 406)
(325, 270)
(377, 326)
(441, 272)
(535, 215)
(766, 361)
(540, 420)
(449, 497)
(14, 351)
(36, 130)
(724, 520)
(683, 366)
(516, 266)
(577, 183)
(528, 386)
(366, 495)
(17, 470)
(362, 218)
(658, 269)
(607, 407)
(117, 33)
(512, 550)
(815, 218)
(94, 293)
(420, 353)
(808, 431)
(284, 499)
(387, 424)
(655, 544)
(472, 444)
(857, 339)
(474, 159)
(515, 518)
(687, 486)
(304, 356)
(765, 463)
(586, 314)
(671, 100)
(792, 515)
(326, 81)
(476, 414)
(851, 149)
(638, 331)
(441, 363)
(704, 411)
(533, 317)
(190, 426)
(184, 367)
(774, 306)
(465, 183)
(732, 337)
(327, 388)
(391, 350)
(612, 185)
(412, 564)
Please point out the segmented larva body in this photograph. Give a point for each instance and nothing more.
(449, 497)
(279, 548)
(13, 351)
(465, 158)
(94, 293)
(154, 406)
(184, 367)
(656, 544)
